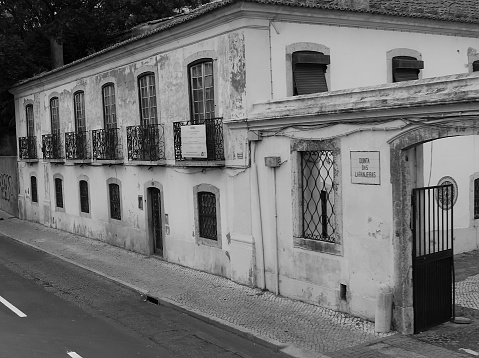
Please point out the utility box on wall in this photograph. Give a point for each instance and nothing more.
(272, 162)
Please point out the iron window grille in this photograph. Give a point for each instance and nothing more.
(406, 68)
(27, 147)
(146, 142)
(309, 72)
(317, 172)
(214, 138)
(77, 145)
(59, 192)
(107, 144)
(147, 94)
(84, 201)
(476, 198)
(33, 185)
(109, 106)
(30, 121)
(207, 215)
(202, 93)
(52, 146)
(115, 205)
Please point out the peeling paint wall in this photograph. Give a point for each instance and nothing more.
(9, 185)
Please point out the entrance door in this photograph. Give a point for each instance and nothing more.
(156, 226)
(433, 265)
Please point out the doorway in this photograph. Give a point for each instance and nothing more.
(155, 220)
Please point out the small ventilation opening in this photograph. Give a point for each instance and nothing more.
(342, 291)
(152, 300)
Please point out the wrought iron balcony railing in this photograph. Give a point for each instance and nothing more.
(27, 147)
(146, 142)
(52, 146)
(107, 144)
(77, 145)
(214, 139)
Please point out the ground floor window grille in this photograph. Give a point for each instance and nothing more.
(59, 192)
(115, 208)
(207, 215)
(476, 198)
(33, 185)
(319, 220)
(84, 205)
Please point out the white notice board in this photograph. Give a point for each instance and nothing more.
(193, 141)
(365, 168)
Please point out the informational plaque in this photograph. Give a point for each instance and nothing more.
(365, 168)
(193, 141)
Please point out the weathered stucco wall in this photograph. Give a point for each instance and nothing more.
(9, 185)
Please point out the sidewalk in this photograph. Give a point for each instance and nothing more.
(295, 328)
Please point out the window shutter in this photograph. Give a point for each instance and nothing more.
(309, 78)
(475, 66)
(406, 68)
(405, 74)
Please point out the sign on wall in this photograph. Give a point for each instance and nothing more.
(193, 141)
(365, 168)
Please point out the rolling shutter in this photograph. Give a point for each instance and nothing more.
(309, 72)
(475, 66)
(406, 68)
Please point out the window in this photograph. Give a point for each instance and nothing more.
(475, 66)
(33, 188)
(30, 122)
(79, 109)
(406, 68)
(54, 114)
(201, 90)
(319, 219)
(309, 72)
(109, 109)
(59, 192)
(207, 215)
(84, 202)
(115, 204)
(147, 93)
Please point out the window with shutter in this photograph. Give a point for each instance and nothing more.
(309, 72)
(475, 66)
(406, 68)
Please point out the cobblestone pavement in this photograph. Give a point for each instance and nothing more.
(295, 327)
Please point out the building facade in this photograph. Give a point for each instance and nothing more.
(275, 144)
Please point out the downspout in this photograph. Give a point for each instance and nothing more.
(256, 221)
(276, 241)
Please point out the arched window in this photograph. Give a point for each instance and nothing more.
(30, 121)
(207, 215)
(309, 72)
(79, 108)
(406, 68)
(84, 199)
(33, 185)
(109, 106)
(147, 97)
(202, 93)
(55, 115)
(115, 201)
(59, 192)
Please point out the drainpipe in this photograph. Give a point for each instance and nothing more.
(256, 221)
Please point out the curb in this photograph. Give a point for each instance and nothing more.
(288, 349)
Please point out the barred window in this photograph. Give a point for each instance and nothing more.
(55, 116)
(30, 122)
(79, 110)
(202, 94)
(33, 185)
(319, 219)
(59, 192)
(109, 106)
(476, 198)
(207, 215)
(146, 86)
(115, 204)
(84, 201)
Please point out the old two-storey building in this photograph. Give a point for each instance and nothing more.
(274, 143)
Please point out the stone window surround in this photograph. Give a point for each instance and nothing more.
(201, 240)
(206, 55)
(108, 182)
(50, 97)
(141, 71)
(34, 174)
(300, 242)
(400, 52)
(26, 103)
(110, 81)
(472, 57)
(472, 222)
(83, 214)
(59, 176)
(303, 46)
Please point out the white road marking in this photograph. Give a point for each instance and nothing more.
(470, 351)
(74, 355)
(12, 307)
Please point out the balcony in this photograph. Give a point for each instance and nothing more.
(146, 144)
(28, 148)
(201, 144)
(52, 147)
(77, 147)
(107, 145)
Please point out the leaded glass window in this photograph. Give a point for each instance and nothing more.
(55, 115)
(30, 122)
(115, 204)
(109, 106)
(84, 201)
(319, 219)
(207, 215)
(79, 108)
(146, 86)
(59, 192)
(202, 94)
(33, 185)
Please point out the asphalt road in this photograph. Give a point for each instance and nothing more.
(71, 312)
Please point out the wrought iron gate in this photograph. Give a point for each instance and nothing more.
(433, 265)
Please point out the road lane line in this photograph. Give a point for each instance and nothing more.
(470, 351)
(12, 307)
(74, 355)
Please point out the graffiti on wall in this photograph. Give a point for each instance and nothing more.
(7, 189)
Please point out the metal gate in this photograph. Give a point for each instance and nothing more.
(433, 264)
